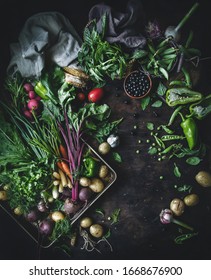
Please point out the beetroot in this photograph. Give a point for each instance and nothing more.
(85, 194)
(46, 227)
(70, 206)
(32, 216)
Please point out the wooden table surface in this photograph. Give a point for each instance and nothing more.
(138, 191)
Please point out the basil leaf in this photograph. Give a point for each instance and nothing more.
(152, 151)
(167, 130)
(177, 172)
(150, 126)
(193, 160)
(145, 102)
(117, 157)
(157, 104)
(161, 90)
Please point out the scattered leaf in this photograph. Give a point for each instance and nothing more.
(157, 104)
(177, 172)
(117, 157)
(150, 126)
(193, 160)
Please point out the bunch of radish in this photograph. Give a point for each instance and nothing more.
(33, 104)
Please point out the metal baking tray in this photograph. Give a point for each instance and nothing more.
(31, 229)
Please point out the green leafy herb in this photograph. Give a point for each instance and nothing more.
(152, 151)
(150, 126)
(157, 104)
(108, 234)
(161, 90)
(117, 157)
(62, 228)
(100, 211)
(193, 160)
(177, 172)
(145, 102)
(115, 216)
(184, 188)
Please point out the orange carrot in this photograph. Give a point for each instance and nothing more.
(65, 168)
(63, 151)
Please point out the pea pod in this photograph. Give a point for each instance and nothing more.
(181, 96)
(201, 109)
(168, 137)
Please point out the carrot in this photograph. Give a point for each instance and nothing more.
(63, 151)
(65, 168)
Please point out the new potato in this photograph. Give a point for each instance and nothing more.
(191, 199)
(203, 178)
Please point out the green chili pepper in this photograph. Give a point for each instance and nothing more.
(201, 109)
(41, 90)
(91, 167)
(190, 131)
(181, 96)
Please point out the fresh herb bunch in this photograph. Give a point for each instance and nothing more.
(161, 56)
(99, 58)
(26, 184)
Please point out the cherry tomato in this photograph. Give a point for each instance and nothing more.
(95, 95)
(81, 96)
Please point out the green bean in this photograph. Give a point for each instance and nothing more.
(173, 116)
(187, 77)
(168, 149)
(177, 83)
(179, 239)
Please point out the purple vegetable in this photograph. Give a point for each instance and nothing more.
(46, 227)
(85, 194)
(166, 217)
(32, 216)
(70, 206)
(42, 206)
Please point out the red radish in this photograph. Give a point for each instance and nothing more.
(28, 114)
(95, 95)
(38, 98)
(33, 104)
(32, 94)
(28, 87)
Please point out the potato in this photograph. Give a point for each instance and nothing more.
(57, 216)
(104, 148)
(18, 211)
(97, 185)
(96, 230)
(86, 222)
(191, 199)
(103, 172)
(84, 182)
(203, 178)
(177, 206)
(3, 195)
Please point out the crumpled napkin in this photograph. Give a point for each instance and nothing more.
(45, 36)
(122, 27)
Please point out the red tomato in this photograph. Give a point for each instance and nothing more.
(95, 95)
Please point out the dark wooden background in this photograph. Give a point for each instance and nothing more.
(138, 191)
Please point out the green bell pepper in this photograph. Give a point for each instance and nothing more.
(91, 167)
(181, 96)
(41, 90)
(190, 131)
(201, 109)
